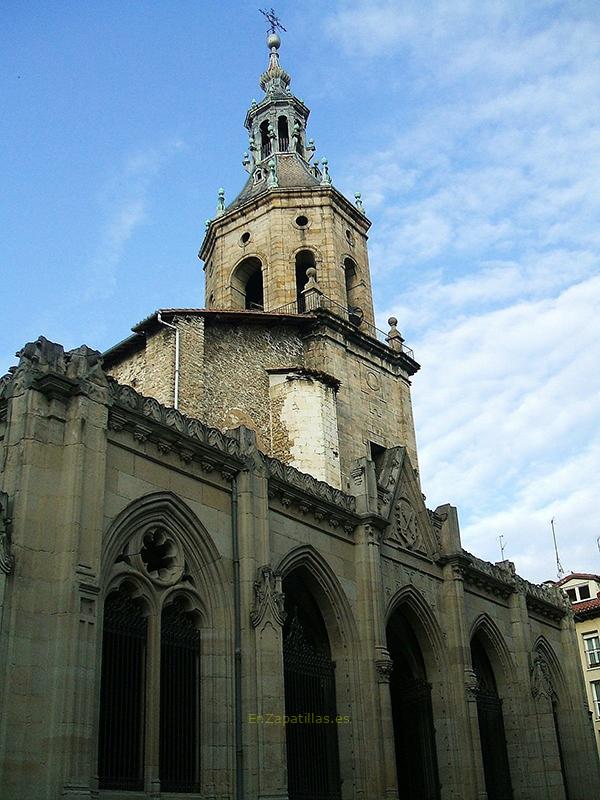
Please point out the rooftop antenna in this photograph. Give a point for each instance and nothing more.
(273, 20)
(501, 540)
(559, 566)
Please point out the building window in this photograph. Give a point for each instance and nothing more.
(247, 285)
(304, 260)
(265, 140)
(578, 593)
(591, 645)
(123, 687)
(596, 698)
(283, 134)
(179, 701)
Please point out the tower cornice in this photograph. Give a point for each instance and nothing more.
(271, 198)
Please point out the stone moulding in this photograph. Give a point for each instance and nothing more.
(545, 601)
(502, 582)
(309, 495)
(485, 575)
(148, 420)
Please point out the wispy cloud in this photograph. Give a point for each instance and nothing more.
(124, 206)
(486, 244)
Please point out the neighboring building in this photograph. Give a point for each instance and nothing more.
(583, 590)
(222, 524)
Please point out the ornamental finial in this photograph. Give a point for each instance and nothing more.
(275, 78)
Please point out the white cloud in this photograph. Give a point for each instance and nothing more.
(485, 246)
(124, 201)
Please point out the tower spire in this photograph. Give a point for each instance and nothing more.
(275, 79)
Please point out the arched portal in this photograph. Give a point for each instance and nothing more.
(304, 260)
(412, 714)
(310, 703)
(491, 726)
(247, 285)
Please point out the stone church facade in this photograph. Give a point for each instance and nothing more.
(218, 575)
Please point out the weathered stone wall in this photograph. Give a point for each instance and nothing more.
(304, 424)
(236, 361)
(373, 401)
(131, 370)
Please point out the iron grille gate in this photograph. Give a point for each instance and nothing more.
(179, 702)
(312, 745)
(414, 734)
(493, 745)
(121, 733)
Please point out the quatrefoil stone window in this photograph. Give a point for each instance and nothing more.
(161, 556)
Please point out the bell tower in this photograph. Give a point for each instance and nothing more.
(287, 219)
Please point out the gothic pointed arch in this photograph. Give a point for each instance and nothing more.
(164, 527)
(431, 638)
(415, 644)
(491, 664)
(543, 650)
(495, 645)
(158, 552)
(333, 601)
(320, 674)
(553, 704)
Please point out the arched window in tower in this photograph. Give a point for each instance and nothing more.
(304, 260)
(412, 713)
(179, 700)
(265, 140)
(283, 134)
(247, 285)
(355, 312)
(309, 677)
(491, 726)
(122, 693)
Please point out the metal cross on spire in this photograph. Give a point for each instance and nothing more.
(273, 20)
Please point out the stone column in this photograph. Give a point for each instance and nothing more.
(55, 450)
(264, 754)
(379, 758)
(384, 666)
(467, 763)
(466, 759)
(267, 618)
(534, 765)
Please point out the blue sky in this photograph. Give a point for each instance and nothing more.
(470, 128)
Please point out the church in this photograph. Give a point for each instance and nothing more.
(218, 575)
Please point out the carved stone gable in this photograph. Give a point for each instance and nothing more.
(410, 525)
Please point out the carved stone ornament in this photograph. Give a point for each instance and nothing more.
(384, 667)
(7, 559)
(405, 526)
(541, 678)
(268, 597)
(471, 684)
(154, 552)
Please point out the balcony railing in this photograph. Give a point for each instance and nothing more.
(350, 314)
